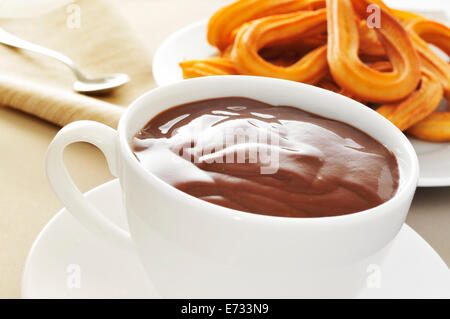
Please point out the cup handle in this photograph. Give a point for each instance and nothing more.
(105, 138)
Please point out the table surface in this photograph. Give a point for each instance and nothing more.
(27, 202)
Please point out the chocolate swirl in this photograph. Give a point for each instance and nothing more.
(272, 160)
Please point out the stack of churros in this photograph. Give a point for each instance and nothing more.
(359, 48)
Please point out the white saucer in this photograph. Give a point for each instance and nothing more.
(411, 269)
(65, 245)
(190, 43)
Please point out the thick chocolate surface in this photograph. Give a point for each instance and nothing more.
(264, 159)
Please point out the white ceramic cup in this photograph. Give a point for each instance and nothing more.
(192, 248)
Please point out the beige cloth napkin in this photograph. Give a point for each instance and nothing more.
(102, 44)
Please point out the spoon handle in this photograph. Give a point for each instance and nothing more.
(13, 41)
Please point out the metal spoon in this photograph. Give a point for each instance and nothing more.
(84, 84)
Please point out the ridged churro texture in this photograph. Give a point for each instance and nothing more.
(225, 21)
(333, 45)
(354, 75)
(281, 29)
(208, 67)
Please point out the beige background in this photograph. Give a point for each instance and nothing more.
(27, 202)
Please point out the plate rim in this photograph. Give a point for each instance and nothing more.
(157, 66)
(31, 252)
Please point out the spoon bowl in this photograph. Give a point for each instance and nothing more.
(100, 85)
(83, 84)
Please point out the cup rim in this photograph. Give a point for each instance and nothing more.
(408, 187)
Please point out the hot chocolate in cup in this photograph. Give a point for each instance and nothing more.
(226, 252)
(265, 159)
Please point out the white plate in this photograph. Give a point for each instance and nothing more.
(190, 43)
(434, 163)
(66, 261)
